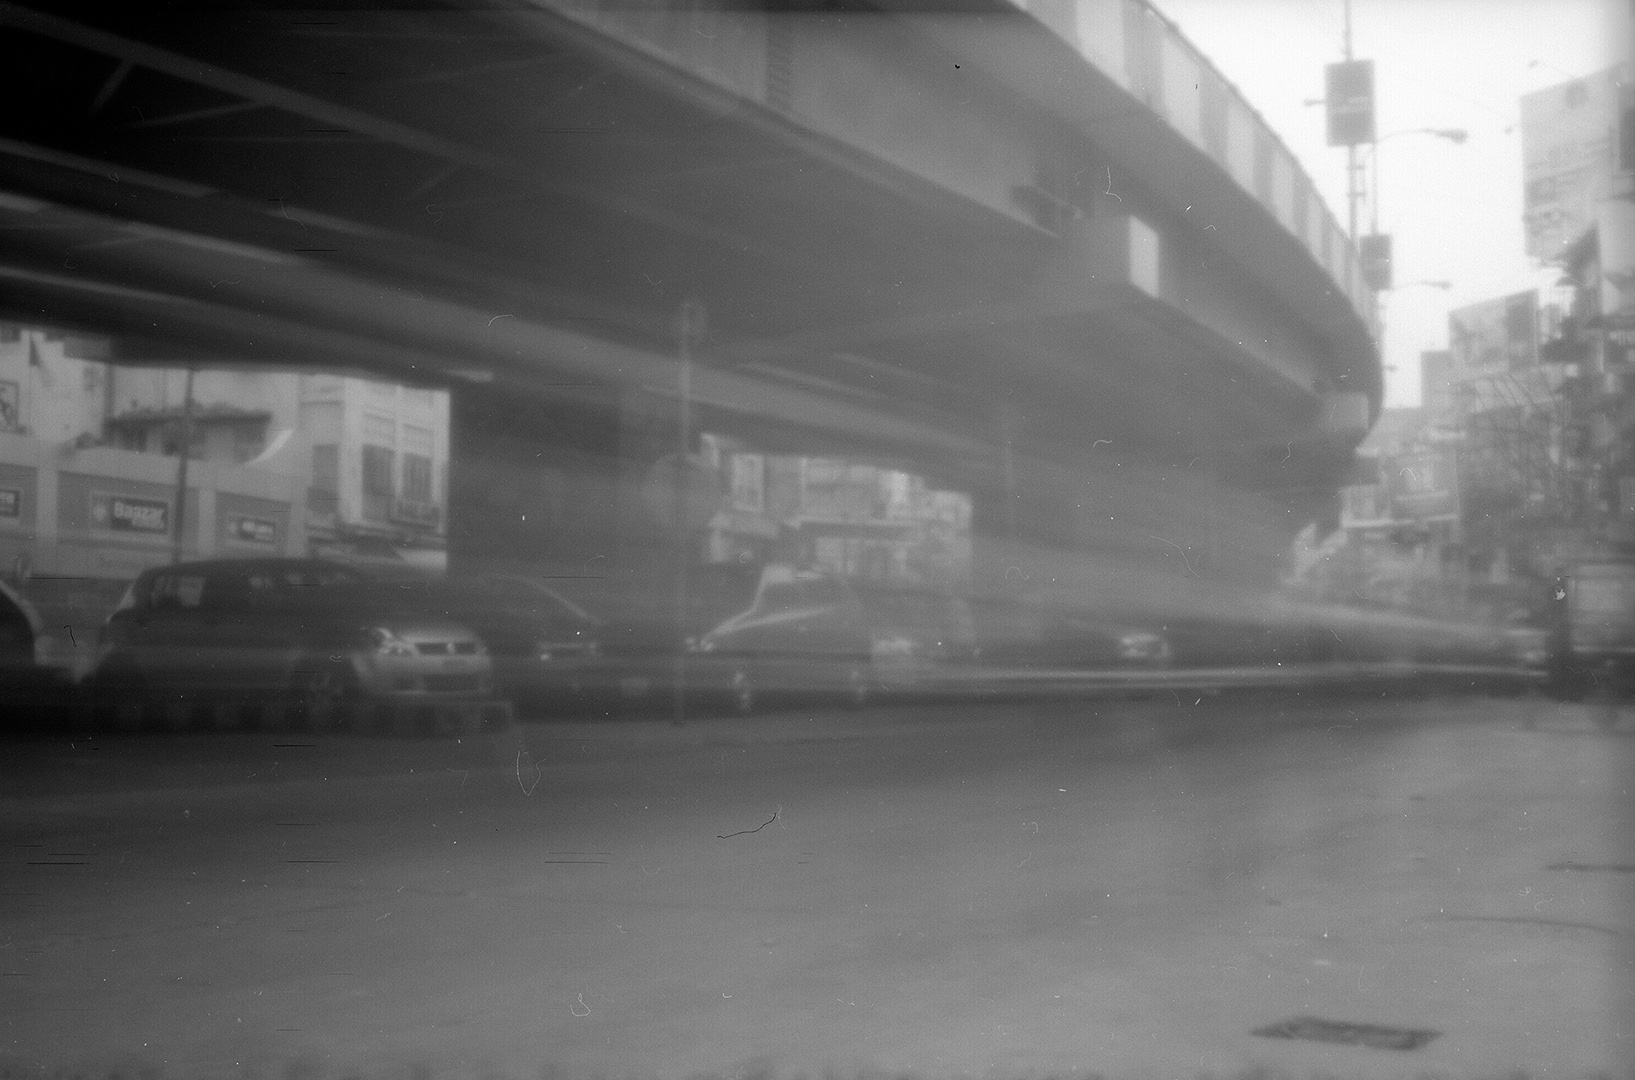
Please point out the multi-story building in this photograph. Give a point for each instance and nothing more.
(380, 455)
(1401, 545)
(91, 494)
(377, 452)
(1548, 450)
(53, 385)
(93, 488)
(858, 519)
(867, 521)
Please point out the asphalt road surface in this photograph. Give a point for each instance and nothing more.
(1113, 888)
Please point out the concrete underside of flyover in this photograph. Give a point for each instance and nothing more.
(566, 490)
(515, 206)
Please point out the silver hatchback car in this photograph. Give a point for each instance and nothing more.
(313, 635)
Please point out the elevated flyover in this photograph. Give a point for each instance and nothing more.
(1046, 254)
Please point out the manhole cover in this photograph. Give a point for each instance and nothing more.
(1339, 1031)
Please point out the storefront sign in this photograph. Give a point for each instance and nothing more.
(249, 530)
(126, 513)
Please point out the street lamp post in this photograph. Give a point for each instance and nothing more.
(178, 536)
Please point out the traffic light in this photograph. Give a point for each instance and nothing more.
(1374, 251)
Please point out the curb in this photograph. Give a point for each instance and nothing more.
(374, 718)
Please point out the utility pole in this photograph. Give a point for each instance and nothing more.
(690, 326)
(1351, 188)
(181, 467)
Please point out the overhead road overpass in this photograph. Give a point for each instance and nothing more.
(1047, 254)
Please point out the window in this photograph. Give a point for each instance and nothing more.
(799, 595)
(377, 470)
(417, 478)
(317, 577)
(377, 482)
(325, 494)
(417, 463)
(176, 591)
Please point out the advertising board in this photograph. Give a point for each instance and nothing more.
(1569, 145)
(1495, 336)
(1350, 98)
(252, 530)
(127, 513)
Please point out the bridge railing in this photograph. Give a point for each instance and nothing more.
(1146, 54)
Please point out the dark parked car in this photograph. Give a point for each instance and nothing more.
(804, 635)
(919, 636)
(643, 647)
(313, 635)
(36, 696)
(546, 650)
(19, 630)
(1031, 633)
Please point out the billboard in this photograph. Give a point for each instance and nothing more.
(1350, 98)
(126, 513)
(1569, 145)
(1495, 336)
(252, 530)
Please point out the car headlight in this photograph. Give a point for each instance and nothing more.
(894, 645)
(386, 643)
(1139, 646)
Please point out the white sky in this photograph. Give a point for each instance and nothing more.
(1454, 211)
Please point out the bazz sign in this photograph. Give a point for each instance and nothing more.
(123, 513)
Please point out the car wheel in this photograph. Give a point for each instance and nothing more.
(121, 698)
(322, 689)
(741, 687)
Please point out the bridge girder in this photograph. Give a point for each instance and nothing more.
(515, 196)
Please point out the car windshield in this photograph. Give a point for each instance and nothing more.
(525, 594)
(817, 540)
